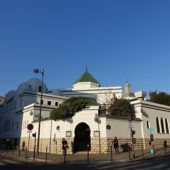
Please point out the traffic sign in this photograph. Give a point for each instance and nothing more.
(30, 126)
(152, 151)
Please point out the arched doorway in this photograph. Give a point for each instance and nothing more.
(82, 140)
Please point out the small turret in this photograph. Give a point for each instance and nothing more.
(128, 92)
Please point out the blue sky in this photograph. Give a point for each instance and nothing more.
(119, 40)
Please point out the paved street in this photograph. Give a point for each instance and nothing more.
(147, 164)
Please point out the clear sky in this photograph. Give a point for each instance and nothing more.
(119, 40)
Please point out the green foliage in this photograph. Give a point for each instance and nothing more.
(160, 97)
(121, 108)
(70, 106)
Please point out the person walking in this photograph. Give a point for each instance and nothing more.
(64, 147)
(116, 145)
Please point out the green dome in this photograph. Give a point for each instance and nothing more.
(87, 77)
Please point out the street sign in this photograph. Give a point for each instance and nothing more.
(152, 151)
(30, 126)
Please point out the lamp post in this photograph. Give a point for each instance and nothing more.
(36, 71)
(97, 119)
(131, 133)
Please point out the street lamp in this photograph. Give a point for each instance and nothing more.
(36, 71)
(97, 119)
(131, 133)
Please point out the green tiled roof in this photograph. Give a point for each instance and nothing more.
(87, 77)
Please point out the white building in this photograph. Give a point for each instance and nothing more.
(87, 128)
(12, 119)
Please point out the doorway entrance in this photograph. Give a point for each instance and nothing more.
(82, 141)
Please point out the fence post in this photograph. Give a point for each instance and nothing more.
(19, 151)
(88, 153)
(46, 154)
(88, 156)
(154, 149)
(165, 150)
(111, 153)
(142, 151)
(34, 152)
(26, 153)
(165, 146)
(12, 151)
(64, 154)
(129, 151)
(133, 151)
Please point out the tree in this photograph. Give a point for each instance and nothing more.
(121, 108)
(160, 97)
(70, 106)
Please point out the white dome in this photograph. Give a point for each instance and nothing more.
(23, 87)
(10, 94)
(32, 85)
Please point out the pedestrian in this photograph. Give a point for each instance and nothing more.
(116, 145)
(64, 146)
(23, 145)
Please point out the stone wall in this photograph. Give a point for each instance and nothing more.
(97, 146)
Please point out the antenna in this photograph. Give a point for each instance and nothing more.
(86, 69)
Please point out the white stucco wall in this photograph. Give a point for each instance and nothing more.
(85, 85)
(149, 111)
(121, 128)
(102, 94)
(17, 112)
(49, 128)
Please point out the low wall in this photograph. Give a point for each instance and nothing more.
(97, 146)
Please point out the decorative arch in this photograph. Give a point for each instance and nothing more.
(82, 140)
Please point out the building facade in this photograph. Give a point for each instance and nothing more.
(87, 129)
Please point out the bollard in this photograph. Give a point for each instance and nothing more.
(26, 153)
(165, 146)
(154, 149)
(88, 156)
(111, 153)
(19, 152)
(34, 152)
(13, 152)
(134, 153)
(142, 152)
(129, 151)
(64, 155)
(165, 150)
(46, 154)
(88, 149)
(7, 150)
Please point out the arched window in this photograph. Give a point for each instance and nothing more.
(167, 126)
(162, 126)
(157, 125)
(148, 124)
(58, 128)
(108, 127)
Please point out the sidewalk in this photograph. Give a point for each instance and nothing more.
(83, 158)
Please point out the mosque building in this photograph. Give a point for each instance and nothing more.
(87, 129)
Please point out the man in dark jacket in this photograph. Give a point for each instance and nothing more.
(116, 145)
(64, 145)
